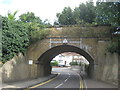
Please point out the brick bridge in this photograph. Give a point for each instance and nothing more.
(91, 42)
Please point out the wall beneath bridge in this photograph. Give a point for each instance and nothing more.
(107, 68)
(16, 69)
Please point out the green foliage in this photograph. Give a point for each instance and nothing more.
(108, 13)
(11, 16)
(102, 13)
(83, 14)
(74, 63)
(17, 35)
(66, 17)
(47, 23)
(15, 38)
(55, 63)
(81, 64)
(113, 47)
(30, 17)
(35, 25)
(38, 35)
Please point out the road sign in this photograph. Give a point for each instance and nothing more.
(30, 62)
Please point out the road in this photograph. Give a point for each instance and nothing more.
(66, 78)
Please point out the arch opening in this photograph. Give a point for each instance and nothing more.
(47, 57)
(70, 61)
(67, 59)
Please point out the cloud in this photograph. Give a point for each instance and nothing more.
(45, 9)
(6, 1)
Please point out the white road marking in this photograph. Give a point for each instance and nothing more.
(59, 85)
(69, 74)
(66, 79)
(63, 82)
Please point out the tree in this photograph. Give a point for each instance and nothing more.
(77, 16)
(30, 17)
(66, 17)
(47, 22)
(33, 22)
(56, 23)
(85, 12)
(11, 16)
(108, 13)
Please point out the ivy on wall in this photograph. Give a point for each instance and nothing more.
(17, 35)
(114, 46)
(15, 38)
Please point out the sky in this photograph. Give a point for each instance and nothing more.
(45, 9)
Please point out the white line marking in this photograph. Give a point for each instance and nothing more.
(66, 79)
(59, 85)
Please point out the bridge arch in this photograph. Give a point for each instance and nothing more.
(47, 56)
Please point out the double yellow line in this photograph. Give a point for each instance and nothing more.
(81, 84)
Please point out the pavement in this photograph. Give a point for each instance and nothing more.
(27, 83)
(90, 83)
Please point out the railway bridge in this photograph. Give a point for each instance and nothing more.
(90, 42)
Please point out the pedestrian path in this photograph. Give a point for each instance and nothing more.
(89, 83)
(27, 83)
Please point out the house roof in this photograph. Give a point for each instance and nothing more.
(70, 54)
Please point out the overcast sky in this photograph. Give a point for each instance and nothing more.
(45, 9)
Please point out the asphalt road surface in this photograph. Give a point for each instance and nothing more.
(66, 78)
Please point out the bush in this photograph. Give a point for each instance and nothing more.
(74, 63)
(15, 38)
(113, 47)
(17, 35)
(81, 63)
(55, 63)
(38, 35)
